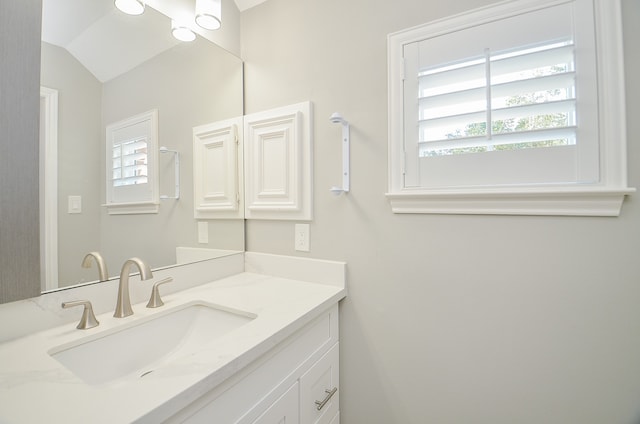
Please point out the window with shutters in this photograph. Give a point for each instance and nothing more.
(516, 108)
(132, 170)
(527, 94)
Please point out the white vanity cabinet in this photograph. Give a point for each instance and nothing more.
(285, 410)
(274, 367)
(320, 384)
(297, 381)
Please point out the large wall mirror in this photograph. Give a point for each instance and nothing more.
(91, 63)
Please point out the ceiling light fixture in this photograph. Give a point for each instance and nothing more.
(130, 7)
(209, 13)
(181, 32)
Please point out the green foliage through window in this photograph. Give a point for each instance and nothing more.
(531, 104)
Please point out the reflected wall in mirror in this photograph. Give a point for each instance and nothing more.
(98, 82)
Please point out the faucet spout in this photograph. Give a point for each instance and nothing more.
(102, 266)
(123, 305)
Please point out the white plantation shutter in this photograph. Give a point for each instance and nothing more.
(514, 108)
(131, 164)
(501, 103)
(450, 101)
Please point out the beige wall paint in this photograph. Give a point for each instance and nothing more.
(79, 156)
(449, 319)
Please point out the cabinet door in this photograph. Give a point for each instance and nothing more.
(319, 397)
(217, 183)
(282, 411)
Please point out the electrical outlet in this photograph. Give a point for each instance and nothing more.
(301, 240)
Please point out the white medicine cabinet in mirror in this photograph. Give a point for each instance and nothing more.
(185, 85)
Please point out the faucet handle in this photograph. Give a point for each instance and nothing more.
(88, 319)
(155, 301)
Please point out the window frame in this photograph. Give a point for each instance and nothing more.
(601, 198)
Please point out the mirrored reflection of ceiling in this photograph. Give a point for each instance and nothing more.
(106, 41)
(247, 4)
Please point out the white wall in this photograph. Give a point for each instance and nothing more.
(79, 150)
(449, 319)
(191, 84)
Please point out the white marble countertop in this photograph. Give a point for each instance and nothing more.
(34, 387)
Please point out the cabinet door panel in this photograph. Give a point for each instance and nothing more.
(319, 397)
(282, 411)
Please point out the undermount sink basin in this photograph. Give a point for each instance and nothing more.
(137, 348)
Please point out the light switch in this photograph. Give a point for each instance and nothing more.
(74, 204)
(203, 232)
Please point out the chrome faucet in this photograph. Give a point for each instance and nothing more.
(123, 306)
(102, 266)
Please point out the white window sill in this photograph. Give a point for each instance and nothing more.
(579, 201)
(132, 208)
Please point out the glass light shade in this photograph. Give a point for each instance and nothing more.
(209, 13)
(130, 7)
(181, 32)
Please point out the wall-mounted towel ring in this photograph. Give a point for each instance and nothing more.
(176, 161)
(336, 118)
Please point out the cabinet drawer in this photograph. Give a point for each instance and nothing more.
(319, 397)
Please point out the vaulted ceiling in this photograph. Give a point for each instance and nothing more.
(247, 4)
(108, 42)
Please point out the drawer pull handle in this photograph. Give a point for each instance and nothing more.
(321, 403)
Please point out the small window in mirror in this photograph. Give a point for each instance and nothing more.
(132, 181)
(130, 162)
